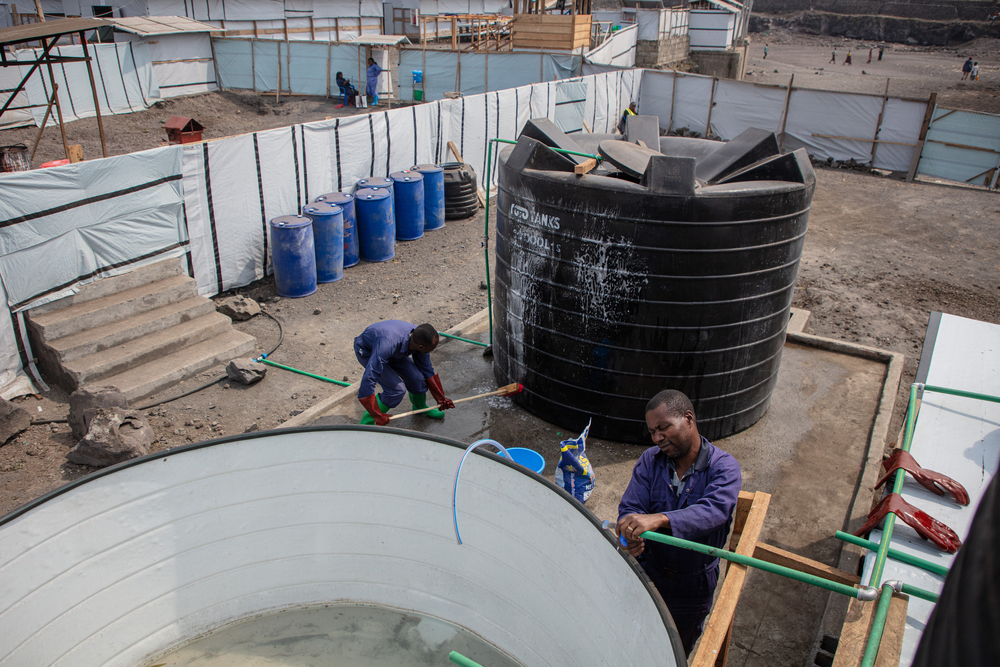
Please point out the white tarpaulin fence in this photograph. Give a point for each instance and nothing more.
(617, 50)
(123, 75)
(62, 227)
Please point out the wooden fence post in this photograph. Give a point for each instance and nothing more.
(928, 114)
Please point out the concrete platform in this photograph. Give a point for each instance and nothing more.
(816, 451)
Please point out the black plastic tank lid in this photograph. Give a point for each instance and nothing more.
(630, 158)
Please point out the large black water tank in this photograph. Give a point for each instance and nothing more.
(611, 288)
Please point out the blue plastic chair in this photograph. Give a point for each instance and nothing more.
(343, 96)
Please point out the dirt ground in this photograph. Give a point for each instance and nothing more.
(879, 256)
(912, 71)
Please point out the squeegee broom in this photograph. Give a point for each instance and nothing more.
(506, 390)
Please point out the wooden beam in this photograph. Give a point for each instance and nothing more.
(312, 29)
(454, 149)
(773, 554)
(877, 141)
(854, 634)
(719, 622)
(585, 167)
(878, 123)
(75, 153)
(928, 114)
(711, 104)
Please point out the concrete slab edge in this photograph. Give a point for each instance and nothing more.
(314, 412)
(835, 612)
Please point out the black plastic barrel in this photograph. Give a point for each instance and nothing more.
(609, 291)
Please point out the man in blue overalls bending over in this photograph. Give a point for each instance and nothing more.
(396, 355)
(688, 488)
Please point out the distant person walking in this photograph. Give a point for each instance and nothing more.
(847, 60)
(880, 50)
(975, 71)
(765, 52)
(833, 59)
(966, 69)
(870, 56)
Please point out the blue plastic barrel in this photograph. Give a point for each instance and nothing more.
(433, 195)
(376, 225)
(293, 255)
(328, 232)
(345, 201)
(409, 203)
(528, 458)
(376, 182)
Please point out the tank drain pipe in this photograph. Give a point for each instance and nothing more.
(461, 660)
(901, 556)
(864, 593)
(464, 340)
(488, 352)
(454, 491)
(264, 360)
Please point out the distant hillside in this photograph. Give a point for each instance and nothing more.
(928, 10)
(879, 28)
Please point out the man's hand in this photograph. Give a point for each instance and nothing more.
(437, 391)
(632, 526)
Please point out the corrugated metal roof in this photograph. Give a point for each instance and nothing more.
(160, 25)
(380, 40)
(50, 28)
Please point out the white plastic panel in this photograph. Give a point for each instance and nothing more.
(133, 561)
(954, 436)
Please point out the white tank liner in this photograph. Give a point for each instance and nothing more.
(139, 558)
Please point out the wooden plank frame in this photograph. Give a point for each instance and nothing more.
(713, 649)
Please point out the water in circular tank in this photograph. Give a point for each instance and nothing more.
(668, 269)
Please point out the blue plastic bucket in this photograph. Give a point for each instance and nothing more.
(376, 225)
(376, 182)
(346, 201)
(328, 235)
(433, 195)
(293, 255)
(409, 205)
(528, 458)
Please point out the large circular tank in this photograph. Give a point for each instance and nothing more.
(658, 270)
(130, 562)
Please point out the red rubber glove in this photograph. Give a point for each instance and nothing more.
(371, 405)
(437, 391)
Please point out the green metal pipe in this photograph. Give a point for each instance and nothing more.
(557, 150)
(959, 392)
(919, 593)
(460, 659)
(878, 626)
(464, 340)
(897, 485)
(902, 557)
(301, 372)
(740, 559)
(486, 238)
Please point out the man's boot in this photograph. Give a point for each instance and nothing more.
(367, 419)
(419, 402)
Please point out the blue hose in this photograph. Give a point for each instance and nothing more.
(454, 492)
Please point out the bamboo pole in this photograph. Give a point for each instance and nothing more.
(711, 103)
(253, 64)
(329, 57)
(277, 97)
(784, 113)
(93, 89)
(878, 124)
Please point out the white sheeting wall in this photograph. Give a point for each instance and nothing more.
(9, 78)
(619, 50)
(63, 227)
(123, 75)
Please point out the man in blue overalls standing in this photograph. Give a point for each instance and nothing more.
(688, 488)
(396, 355)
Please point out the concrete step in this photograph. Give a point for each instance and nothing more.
(52, 325)
(92, 341)
(120, 358)
(164, 372)
(108, 286)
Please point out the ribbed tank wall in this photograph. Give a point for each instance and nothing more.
(607, 294)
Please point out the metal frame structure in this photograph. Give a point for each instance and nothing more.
(48, 33)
